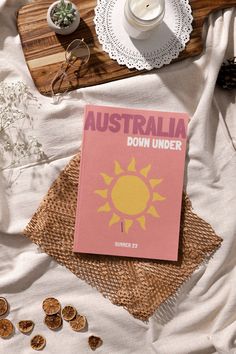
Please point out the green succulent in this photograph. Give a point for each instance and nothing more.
(63, 14)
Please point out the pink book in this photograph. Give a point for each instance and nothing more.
(131, 181)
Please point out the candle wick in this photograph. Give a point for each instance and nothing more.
(147, 5)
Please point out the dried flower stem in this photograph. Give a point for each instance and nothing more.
(15, 145)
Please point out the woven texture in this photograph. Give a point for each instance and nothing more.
(140, 286)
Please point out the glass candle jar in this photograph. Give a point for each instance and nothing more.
(142, 16)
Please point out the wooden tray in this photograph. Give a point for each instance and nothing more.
(45, 51)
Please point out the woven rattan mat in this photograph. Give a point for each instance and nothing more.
(138, 285)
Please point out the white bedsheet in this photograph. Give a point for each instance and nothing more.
(203, 320)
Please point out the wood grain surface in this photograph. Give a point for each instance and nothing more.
(45, 51)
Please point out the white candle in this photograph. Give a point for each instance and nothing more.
(146, 9)
(141, 16)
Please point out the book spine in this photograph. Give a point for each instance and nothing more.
(79, 192)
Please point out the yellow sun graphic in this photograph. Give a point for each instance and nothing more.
(129, 195)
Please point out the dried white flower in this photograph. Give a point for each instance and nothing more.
(15, 145)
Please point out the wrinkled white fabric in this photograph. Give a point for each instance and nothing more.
(203, 319)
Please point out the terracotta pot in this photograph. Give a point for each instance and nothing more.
(63, 30)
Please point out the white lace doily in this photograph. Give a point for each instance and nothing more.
(164, 44)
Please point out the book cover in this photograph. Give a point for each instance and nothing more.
(131, 182)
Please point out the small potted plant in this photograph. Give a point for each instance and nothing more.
(63, 17)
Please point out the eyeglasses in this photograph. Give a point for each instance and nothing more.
(77, 54)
